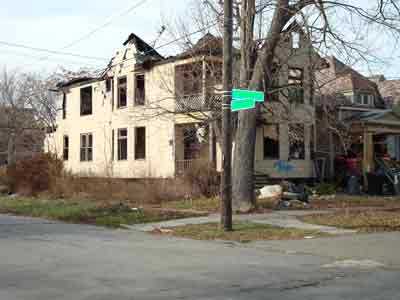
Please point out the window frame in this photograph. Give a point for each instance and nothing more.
(140, 101)
(82, 110)
(86, 148)
(65, 148)
(120, 139)
(64, 106)
(142, 154)
(121, 86)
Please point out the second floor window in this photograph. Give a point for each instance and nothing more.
(64, 106)
(86, 101)
(122, 144)
(296, 85)
(66, 148)
(140, 94)
(122, 92)
(86, 147)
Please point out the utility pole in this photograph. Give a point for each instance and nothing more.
(226, 180)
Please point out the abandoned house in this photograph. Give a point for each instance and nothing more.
(146, 115)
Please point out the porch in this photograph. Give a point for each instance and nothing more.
(194, 144)
(371, 149)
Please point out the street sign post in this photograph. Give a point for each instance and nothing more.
(245, 99)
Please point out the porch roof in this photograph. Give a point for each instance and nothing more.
(377, 122)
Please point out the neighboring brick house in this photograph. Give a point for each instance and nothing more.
(143, 116)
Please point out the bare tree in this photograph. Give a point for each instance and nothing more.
(27, 109)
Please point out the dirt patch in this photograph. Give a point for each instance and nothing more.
(361, 220)
(242, 232)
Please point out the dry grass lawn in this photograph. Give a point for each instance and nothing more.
(243, 232)
(364, 221)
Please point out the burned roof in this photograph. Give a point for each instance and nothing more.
(77, 80)
(142, 47)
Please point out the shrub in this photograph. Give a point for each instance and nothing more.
(326, 189)
(203, 179)
(34, 175)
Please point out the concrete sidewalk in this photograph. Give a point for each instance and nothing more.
(284, 219)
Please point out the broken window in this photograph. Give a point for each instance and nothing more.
(109, 84)
(122, 92)
(86, 147)
(191, 144)
(122, 144)
(296, 85)
(140, 89)
(66, 148)
(140, 142)
(275, 85)
(64, 106)
(296, 141)
(86, 101)
(112, 144)
(191, 79)
(295, 40)
(271, 141)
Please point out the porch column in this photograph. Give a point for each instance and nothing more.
(368, 158)
(212, 146)
(368, 155)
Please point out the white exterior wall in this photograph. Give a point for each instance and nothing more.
(160, 130)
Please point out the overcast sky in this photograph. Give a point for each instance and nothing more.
(54, 24)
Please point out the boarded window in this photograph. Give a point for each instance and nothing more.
(86, 147)
(122, 144)
(66, 148)
(271, 141)
(140, 94)
(296, 141)
(140, 143)
(122, 92)
(296, 85)
(86, 101)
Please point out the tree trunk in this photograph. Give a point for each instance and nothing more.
(245, 142)
(11, 162)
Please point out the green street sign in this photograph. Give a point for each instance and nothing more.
(247, 95)
(237, 105)
(245, 99)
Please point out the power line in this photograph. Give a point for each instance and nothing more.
(105, 24)
(93, 31)
(15, 45)
(33, 57)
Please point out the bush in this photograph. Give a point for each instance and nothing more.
(326, 189)
(34, 175)
(203, 179)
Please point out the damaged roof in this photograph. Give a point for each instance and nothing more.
(142, 46)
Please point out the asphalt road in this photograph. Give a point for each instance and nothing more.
(46, 260)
